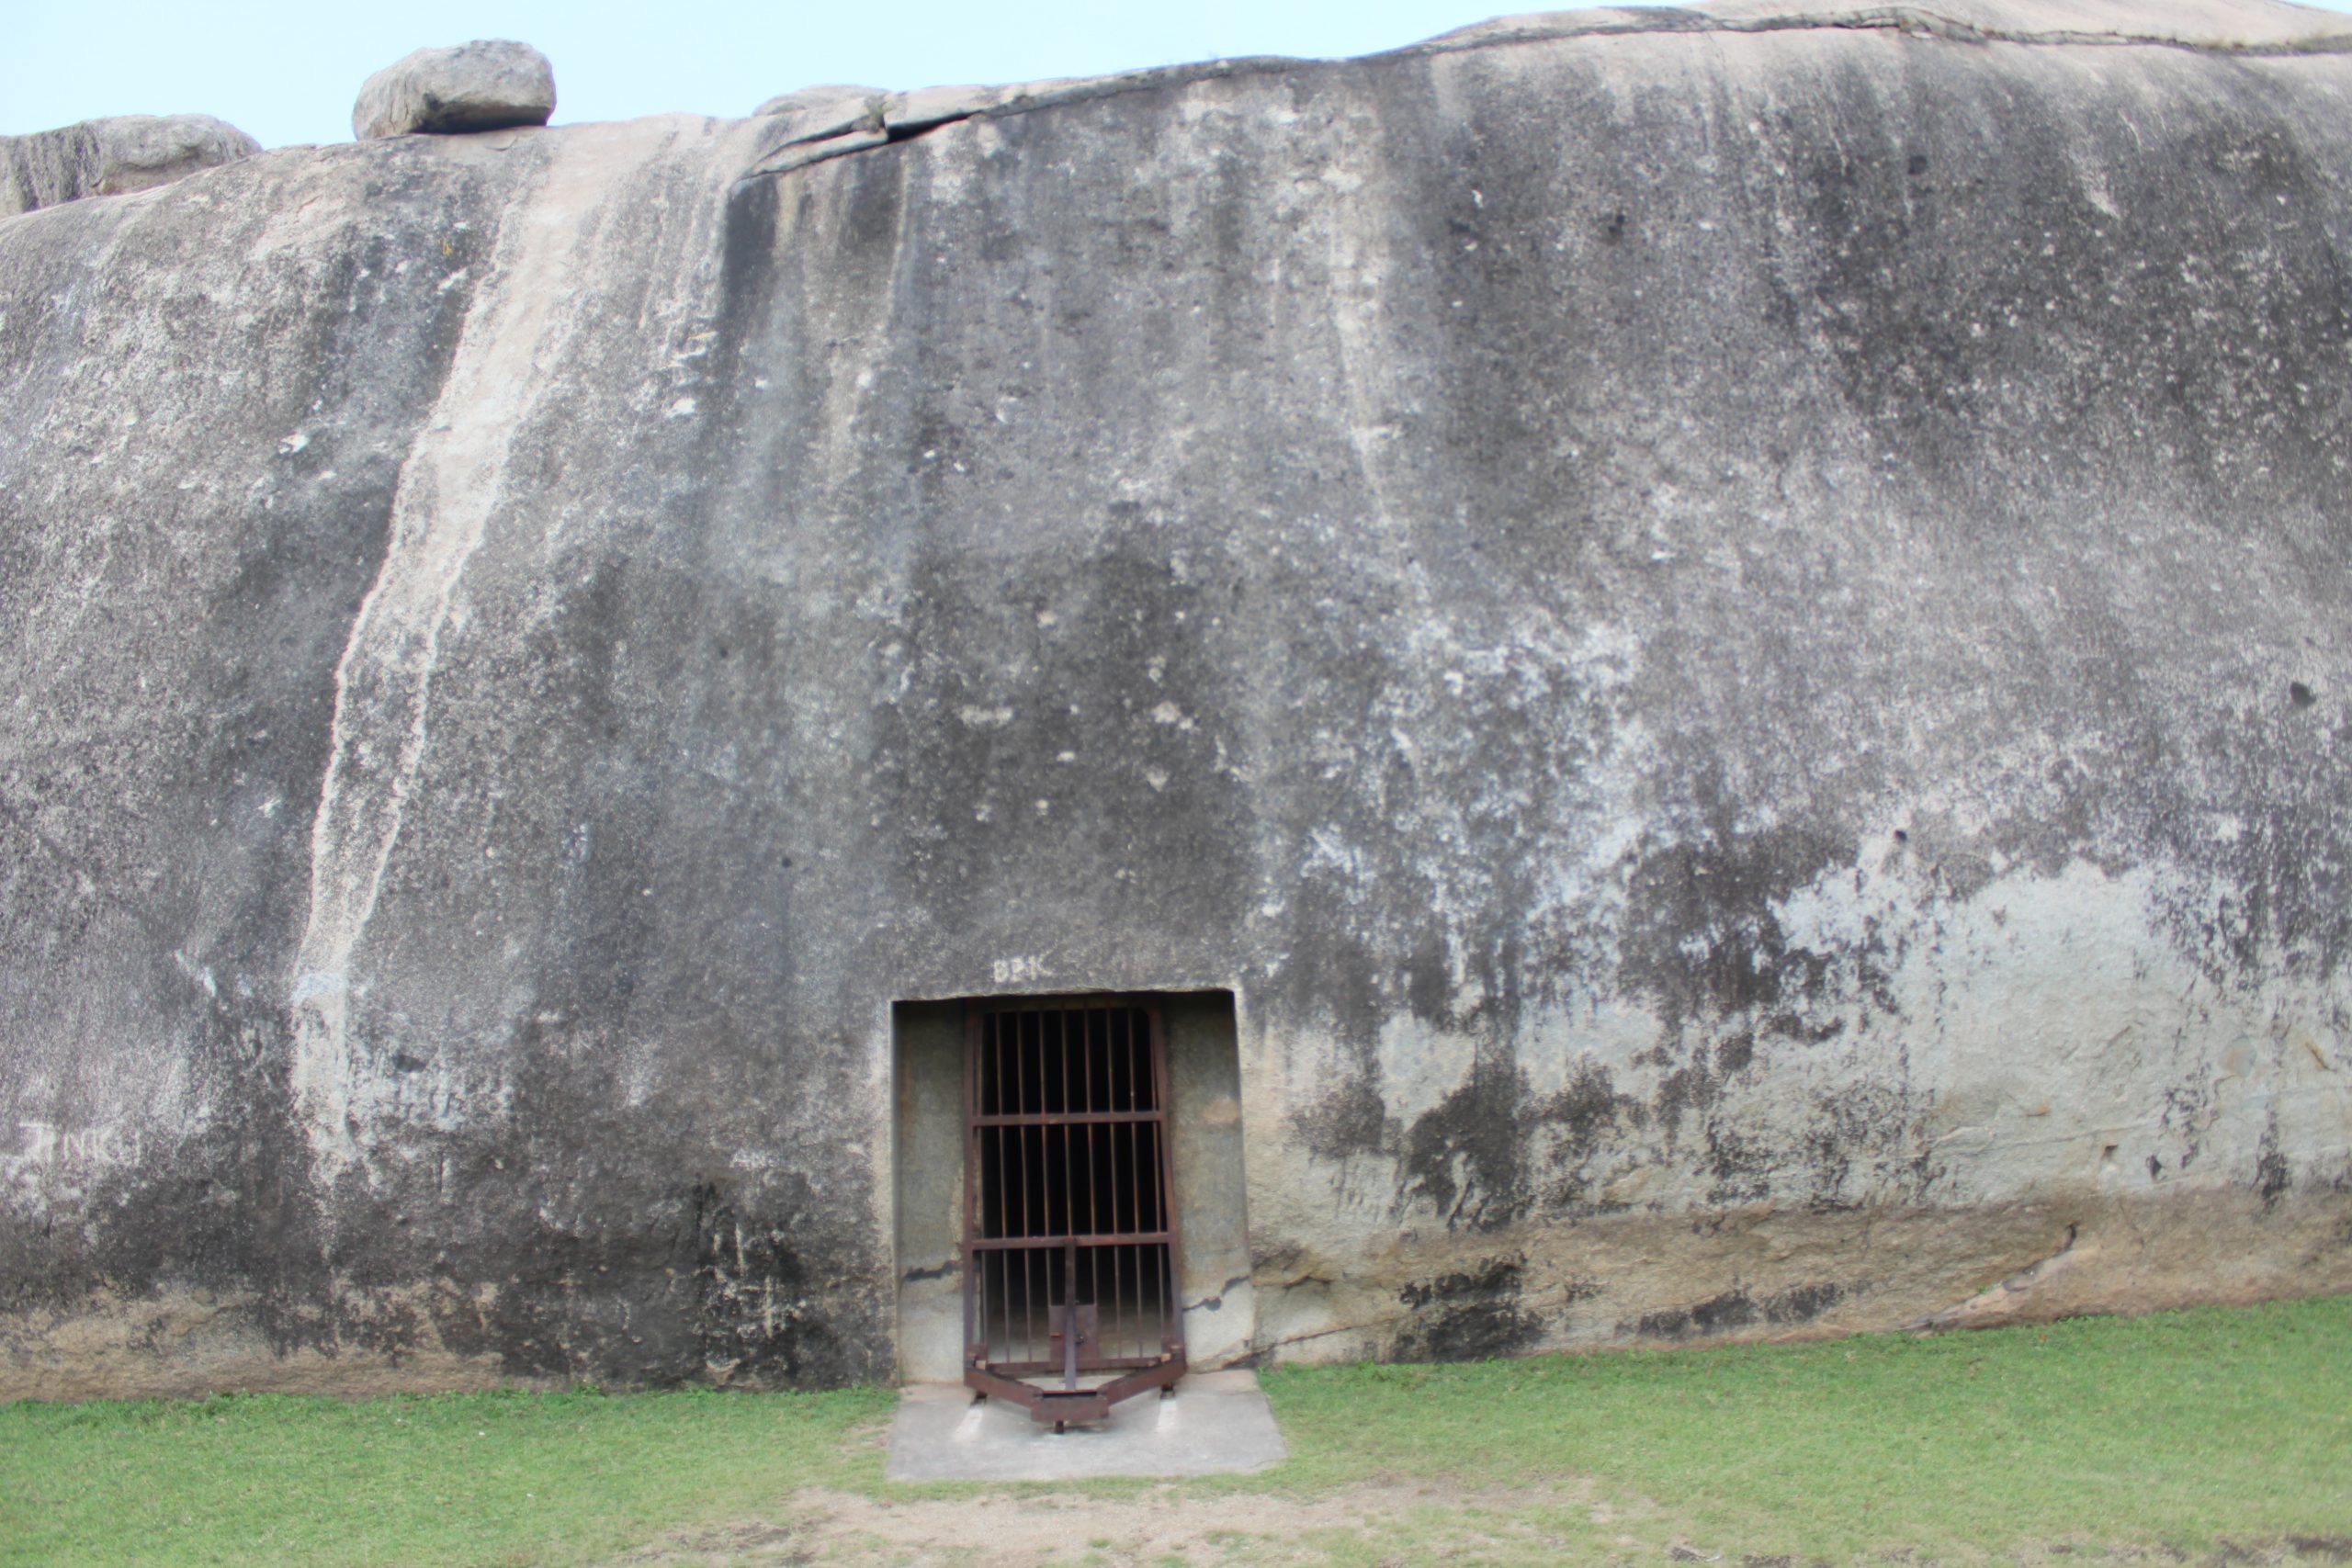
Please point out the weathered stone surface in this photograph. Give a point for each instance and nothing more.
(488, 85)
(840, 105)
(109, 157)
(1730, 640)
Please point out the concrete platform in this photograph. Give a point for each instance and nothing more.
(1214, 1424)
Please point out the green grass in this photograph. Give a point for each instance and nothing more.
(2178, 1429)
(490, 1478)
(2175, 1433)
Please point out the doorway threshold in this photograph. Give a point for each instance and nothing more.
(1212, 1424)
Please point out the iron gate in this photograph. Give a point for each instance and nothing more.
(1071, 1256)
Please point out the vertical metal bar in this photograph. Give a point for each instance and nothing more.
(973, 1305)
(1007, 1143)
(1118, 1253)
(1136, 1187)
(1085, 1031)
(1048, 1179)
(1069, 1188)
(1136, 1128)
(1004, 1176)
(1093, 1217)
(1175, 1293)
(1110, 1066)
(1021, 1085)
(1033, 1179)
(1011, 1141)
(1069, 1315)
(1004, 1215)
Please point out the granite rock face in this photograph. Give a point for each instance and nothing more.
(109, 157)
(1728, 634)
(488, 85)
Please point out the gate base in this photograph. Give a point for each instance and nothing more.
(1059, 1406)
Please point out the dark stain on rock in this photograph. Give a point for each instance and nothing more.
(1742, 1166)
(1585, 1111)
(1700, 934)
(1733, 1051)
(1686, 1088)
(1803, 1303)
(1468, 1316)
(1791, 1026)
(1350, 1119)
(2270, 1176)
(1462, 1156)
(753, 1307)
(1871, 1125)
(1716, 1314)
(1735, 1309)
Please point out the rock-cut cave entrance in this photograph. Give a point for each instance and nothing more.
(1070, 1235)
(1071, 1226)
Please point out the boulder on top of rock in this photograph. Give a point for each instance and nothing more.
(109, 157)
(487, 85)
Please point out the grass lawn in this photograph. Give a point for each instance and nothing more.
(2217, 1434)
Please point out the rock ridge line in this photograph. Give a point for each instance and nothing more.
(881, 119)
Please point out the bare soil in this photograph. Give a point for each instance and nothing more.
(999, 1529)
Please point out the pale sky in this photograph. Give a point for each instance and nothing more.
(286, 72)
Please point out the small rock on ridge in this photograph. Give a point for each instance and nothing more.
(107, 157)
(487, 85)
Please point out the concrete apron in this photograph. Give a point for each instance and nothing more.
(1214, 1423)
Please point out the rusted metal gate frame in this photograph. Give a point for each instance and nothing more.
(1068, 1330)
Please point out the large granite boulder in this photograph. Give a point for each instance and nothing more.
(488, 85)
(1720, 633)
(107, 157)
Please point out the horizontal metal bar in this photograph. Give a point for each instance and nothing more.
(1159, 1374)
(1053, 1368)
(1018, 1243)
(995, 1383)
(1112, 1001)
(1066, 1118)
(1060, 1405)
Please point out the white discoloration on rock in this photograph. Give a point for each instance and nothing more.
(451, 488)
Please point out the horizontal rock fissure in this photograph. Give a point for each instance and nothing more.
(1975, 1310)
(1216, 1302)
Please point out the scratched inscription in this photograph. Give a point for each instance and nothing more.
(46, 1146)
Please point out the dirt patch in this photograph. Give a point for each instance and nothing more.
(1405, 1521)
(1000, 1530)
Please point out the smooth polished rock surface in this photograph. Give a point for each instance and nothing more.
(109, 157)
(488, 85)
(1213, 1424)
(1721, 636)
